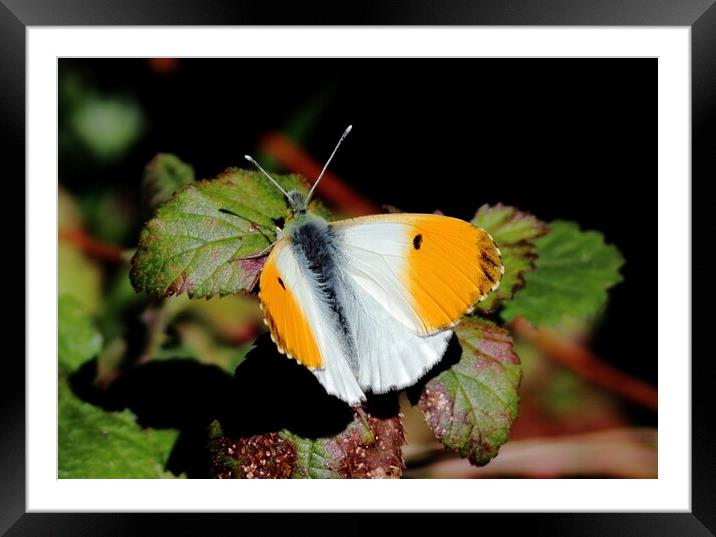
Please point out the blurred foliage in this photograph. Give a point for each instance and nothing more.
(196, 342)
(96, 125)
(79, 277)
(110, 216)
(555, 400)
(69, 215)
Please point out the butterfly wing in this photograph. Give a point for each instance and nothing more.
(426, 270)
(301, 325)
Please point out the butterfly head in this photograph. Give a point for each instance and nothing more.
(297, 202)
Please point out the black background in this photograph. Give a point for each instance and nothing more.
(573, 139)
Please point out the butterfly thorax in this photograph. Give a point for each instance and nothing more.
(313, 241)
(297, 202)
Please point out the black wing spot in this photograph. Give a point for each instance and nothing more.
(417, 241)
(280, 282)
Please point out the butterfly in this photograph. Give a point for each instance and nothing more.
(368, 304)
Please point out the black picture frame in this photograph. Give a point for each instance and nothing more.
(699, 15)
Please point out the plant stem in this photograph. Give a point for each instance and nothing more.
(585, 364)
(91, 246)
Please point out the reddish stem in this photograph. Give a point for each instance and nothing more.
(584, 363)
(90, 245)
(163, 65)
(331, 188)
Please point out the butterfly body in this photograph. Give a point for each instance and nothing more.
(368, 303)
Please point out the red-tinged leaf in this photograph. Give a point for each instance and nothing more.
(370, 447)
(471, 406)
(201, 241)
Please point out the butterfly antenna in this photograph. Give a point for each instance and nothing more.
(252, 161)
(345, 133)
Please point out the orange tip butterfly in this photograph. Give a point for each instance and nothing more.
(369, 303)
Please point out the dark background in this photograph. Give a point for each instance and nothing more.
(573, 139)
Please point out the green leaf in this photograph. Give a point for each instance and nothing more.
(96, 444)
(163, 176)
(118, 302)
(110, 215)
(195, 245)
(471, 406)
(77, 338)
(514, 232)
(370, 447)
(574, 270)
